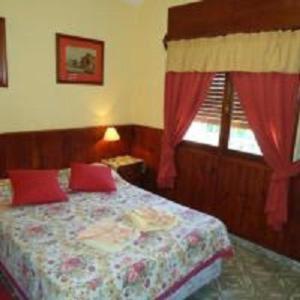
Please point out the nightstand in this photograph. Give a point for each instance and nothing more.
(132, 169)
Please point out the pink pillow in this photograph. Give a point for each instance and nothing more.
(91, 178)
(35, 187)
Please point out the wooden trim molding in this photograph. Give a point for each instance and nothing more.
(3, 56)
(210, 18)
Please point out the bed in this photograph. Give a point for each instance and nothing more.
(41, 254)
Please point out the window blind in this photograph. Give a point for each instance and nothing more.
(211, 109)
(238, 117)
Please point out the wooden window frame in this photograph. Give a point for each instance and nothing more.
(225, 126)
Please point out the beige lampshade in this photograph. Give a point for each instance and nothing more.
(111, 135)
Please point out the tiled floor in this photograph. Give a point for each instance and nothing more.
(251, 276)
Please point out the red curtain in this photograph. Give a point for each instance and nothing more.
(270, 104)
(184, 93)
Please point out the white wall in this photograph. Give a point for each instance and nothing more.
(133, 89)
(33, 100)
(147, 108)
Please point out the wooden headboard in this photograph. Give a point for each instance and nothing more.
(57, 148)
(221, 17)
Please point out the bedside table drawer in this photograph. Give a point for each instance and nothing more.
(132, 173)
(130, 168)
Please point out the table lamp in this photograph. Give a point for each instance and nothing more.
(111, 135)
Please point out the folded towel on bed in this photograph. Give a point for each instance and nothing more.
(108, 235)
(150, 219)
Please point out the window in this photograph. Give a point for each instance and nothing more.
(241, 137)
(206, 127)
(297, 141)
(221, 120)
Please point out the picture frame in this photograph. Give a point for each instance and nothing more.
(3, 56)
(79, 60)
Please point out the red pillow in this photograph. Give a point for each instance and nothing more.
(35, 187)
(91, 178)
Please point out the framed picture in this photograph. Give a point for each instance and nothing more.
(3, 58)
(79, 60)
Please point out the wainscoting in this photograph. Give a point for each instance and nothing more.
(229, 186)
(226, 185)
(57, 148)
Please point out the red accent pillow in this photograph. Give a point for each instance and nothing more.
(35, 187)
(91, 178)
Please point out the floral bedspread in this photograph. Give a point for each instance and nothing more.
(40, 249)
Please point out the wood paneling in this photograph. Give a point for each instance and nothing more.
(57, 148)
(228, 186)
(221, 17)
(146, 145)
(225, 184)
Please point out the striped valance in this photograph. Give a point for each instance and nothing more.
(276, 51)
